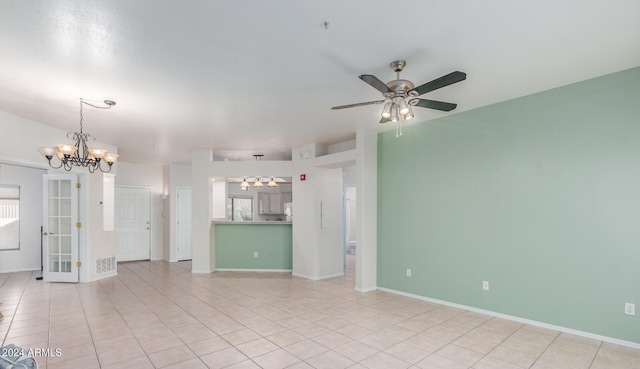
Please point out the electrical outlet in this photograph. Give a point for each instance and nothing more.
(408, 272)
(485, 285)
(255, 254)
(629, 308)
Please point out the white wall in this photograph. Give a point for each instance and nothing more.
(318, 221)
(98, 242)
(138, 175)
(30, 182)
(21, 138)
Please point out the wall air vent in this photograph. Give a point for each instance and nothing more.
(105, 265)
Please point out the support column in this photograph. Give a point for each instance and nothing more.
(367, 210)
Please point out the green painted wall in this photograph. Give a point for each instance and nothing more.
(236, 243)
(539, 195)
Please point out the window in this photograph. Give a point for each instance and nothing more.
(240, 208)
(9, 217)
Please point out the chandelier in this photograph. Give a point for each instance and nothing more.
(79, 154)
(258, 180)
(257, 183)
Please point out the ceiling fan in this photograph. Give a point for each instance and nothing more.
(401, 94)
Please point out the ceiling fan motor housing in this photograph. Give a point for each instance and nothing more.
(399, 87)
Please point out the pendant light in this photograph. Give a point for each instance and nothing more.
(79, 154)
(272, 183)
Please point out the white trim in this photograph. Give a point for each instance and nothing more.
(20, 270)
(103, 276)
(193, 271)
(598, 337)
(253, 270)
(364, 290)
(317, 278)
(24, 163)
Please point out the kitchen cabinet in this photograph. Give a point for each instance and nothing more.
(287, 197)
(272, 202)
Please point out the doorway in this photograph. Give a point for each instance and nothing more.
(350, 224)
(133, 223)
(183, 219)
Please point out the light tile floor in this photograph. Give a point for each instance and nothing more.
(159, 315)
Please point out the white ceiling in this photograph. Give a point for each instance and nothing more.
(262, 75)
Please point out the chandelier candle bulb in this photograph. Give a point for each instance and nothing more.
(97, 153)
(67, 150)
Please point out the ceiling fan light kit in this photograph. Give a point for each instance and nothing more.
(79, 154)
(400, 95)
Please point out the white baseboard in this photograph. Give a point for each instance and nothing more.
(20, 270)
(598, 337)
(103, 276)
(253, 270)
(204, 271)
(317, 278)
(364, 290)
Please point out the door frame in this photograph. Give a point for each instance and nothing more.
(151, 222)
(79, 234)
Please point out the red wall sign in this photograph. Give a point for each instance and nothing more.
(303, 177)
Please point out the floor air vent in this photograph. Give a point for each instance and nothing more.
(106, 264)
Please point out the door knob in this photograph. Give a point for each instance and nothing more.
(148, 228)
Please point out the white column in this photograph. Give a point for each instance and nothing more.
(367, 210)
(203, 260)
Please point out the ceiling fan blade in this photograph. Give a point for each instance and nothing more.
(384, 120)
(433, 104)
(437, 83)
(376, 83)
(358, 104)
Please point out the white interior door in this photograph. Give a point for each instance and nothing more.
(184, 223)
(133, 223)
(60, 228)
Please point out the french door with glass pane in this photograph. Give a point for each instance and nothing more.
(60, 230)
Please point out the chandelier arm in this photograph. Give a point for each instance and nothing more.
(99, 166)
(51, 165)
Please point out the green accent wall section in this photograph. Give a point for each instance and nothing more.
(539, 195)
(236, 243)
